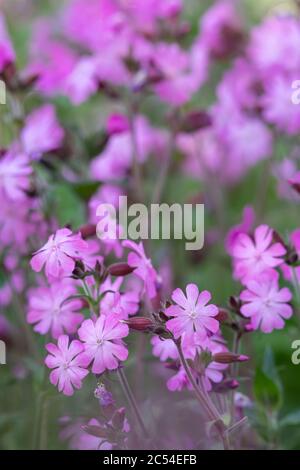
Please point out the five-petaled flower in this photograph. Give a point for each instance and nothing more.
(59, 254)
(192, 314)
(69, 364)
(266, 304)
(102, 342)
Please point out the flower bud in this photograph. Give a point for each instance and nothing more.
(229, 357)
(120, 269)
(195, 120)
(88, 231)
(228, 384)
(140, 323)
(79, 270)
(235, 303)
(222, 316)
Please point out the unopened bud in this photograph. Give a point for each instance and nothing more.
(228, 384)
(88, 231)
(222, 316)
(120, 269)
(195, 120)
(229, 357)
(140, 323)
(235, 303)
(79, 270)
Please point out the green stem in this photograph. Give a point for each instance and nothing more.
(205, 401)
(131, 400)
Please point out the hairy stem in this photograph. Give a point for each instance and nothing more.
(205, 401)
(131, 400)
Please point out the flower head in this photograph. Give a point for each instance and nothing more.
(14, 175)
(252, 257)
(191, 313)
(42, 132)
(144, 270)
(102, 341)
(49, 311)
(68, 363)
(266, 304)
(59, 254)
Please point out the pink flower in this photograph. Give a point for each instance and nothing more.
(266, 304)
(164, 348)
(253, 257)
(117, 123)
(42, 132)
(179, 381)
(191, 313)
(127, 302)
(7, 54)
(14, 175)
(49, 311)
(115, 160)
(103, 344)
(68, 363)
(277, 104)
(244, 227)
(59, 254)
(50, 60)
(220, 28)
(82, 82)
(144, 269)
(275, 45)
(182, 72)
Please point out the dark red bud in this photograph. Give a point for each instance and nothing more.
(228, 384)
(140, 323)
(222, 316)
(88, 231)
(120, 269)
(229, 358)
(195, 120)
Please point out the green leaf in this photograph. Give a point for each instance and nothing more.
(2, 278)
(86, 189)
(267, 386)
(68, 207)
(292, 419)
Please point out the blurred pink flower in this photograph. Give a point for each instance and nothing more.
(278, 108)
(127, 301)
(49, 310)
(102, 341)
(42, 132)
(51, 61)
(59, 254)
(274, 46)
(245, 226)
(116, 159)
(14, 175)
(182, 72)
(68, 363)
(144, 270)
(164, 348)
(252, 257)
(192, 314)
(220, 26)
(266, 304)
(7, 54)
